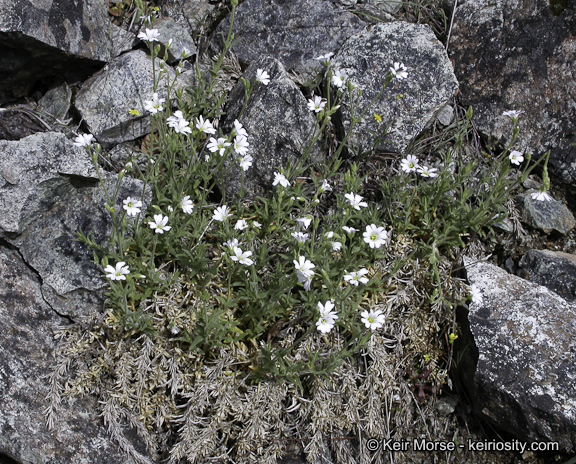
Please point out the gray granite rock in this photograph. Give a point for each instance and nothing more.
(552, 269)
(279, 126)
(546, 216)
(294, 32)
(47, 38)
(407, 106)
(196, 16)
(520, 55)
(182, 45)
(520, 350)
(27, 345)
(19, 122)
(56, 101)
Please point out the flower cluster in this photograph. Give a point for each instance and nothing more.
(411, 164)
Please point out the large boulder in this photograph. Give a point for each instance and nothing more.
(279, 126)
(295, 32)
(124, 84)
(547, 216)
(520, 55)
(407, 106)
(521, 355)
(27, 345)
(48, 38)
(552, 269)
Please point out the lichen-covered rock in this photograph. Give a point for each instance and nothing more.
(295, 32)
(407, 106)
(124, 84)
(546, 216)
(552, 269)
(523, 376)
(520, 55)
(279, 126)
(47, 38)
(27, 345)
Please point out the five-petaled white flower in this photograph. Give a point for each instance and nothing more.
(240, 145)
(304, 271)
(241, 224)
(262, 76)
(150, 35)
(300, 236)
(355, 278)
(232, 243)
(316, 104)
(425, 171)
(256, 224)
(373, 319)
(339, 79)
(221, 213)
(179, 123)
(476, 294)
(399, 71)
(187, 205)
(219, 145)
(409, 164)
(336, 246)
(117, 273)
(242, 257)
(280, 179)
(132, 206)
(325, 324)
(349, 230)
(513, 114)
(327, 317)
(541, 195)
(355, 201)
(154, 105)
(204, 125)
(516, 157)
(325, 187)
(83, 140)
(159, 224)
(239, 129)
(375, 236)
(304, 222)
(245, 162)
(325, 57)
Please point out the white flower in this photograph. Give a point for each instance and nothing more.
(256, 224)
(83, 140)
(409, 164)
(541, 196)
(326, 310)
(300, 237)
(325, 57)
(187, 205)
(325, 187)
(280, 179)
(316, 104)
(355, 201)
(238, 129)
(117, 273)
(245, 162)
(178, 123)
(339, 79)
(355, 278)
(329, 234)
(132, 206)
(375, 236)
(219, 145)
(242, 257)
(204, 125)
(221, 213)
(241, 224)
(373, 319)
(151, 35)
(325, 324)
(399, 71)
(241, 145)
(170, 208)
(159, 224)
(304, 267)
(425, 171)
(154, 105)
(304, 222)
(476, 294)
(262, 76)
(336, 246)
(516, 157)
(513, 114)
(349, 230)
(232, 243)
